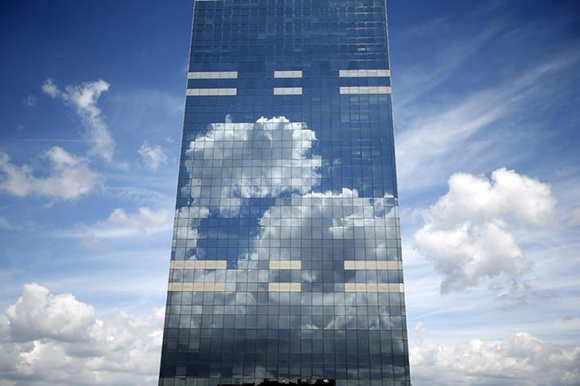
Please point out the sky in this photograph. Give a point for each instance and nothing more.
(487, 118)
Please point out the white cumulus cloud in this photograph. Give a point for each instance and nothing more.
(232, 161)
(69, 177)
(365, 228)
(49, 339)
(38, 314)
(469, 232)
(519, 360)
(83, 98)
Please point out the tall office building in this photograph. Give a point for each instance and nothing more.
(286, 258)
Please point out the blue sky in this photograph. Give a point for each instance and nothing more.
(93, 97)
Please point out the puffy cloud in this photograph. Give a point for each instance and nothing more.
(469, 232)
(187, 220)
(521, 359)
(508, 195)
(322, 227)
(153, 156)
(365, 228)
(233, 161)
(38, 314)
(50, 88)
(50, 339)
(329, 227)
(470, 252)
(83, 98)
(69, 177)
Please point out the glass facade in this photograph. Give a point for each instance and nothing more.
(286, 257)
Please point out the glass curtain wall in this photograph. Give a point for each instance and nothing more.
(286, 257)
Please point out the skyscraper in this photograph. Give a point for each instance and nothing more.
(286, 257)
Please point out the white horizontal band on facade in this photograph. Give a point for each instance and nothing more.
(198, 264)
(364, 73)
(365, 90)
(285, 264)
(287, 74)
(372, 265)
(373, 287)
(287, 90)
(213, 75)
(211, 92)
(284, 287)
(197, 287)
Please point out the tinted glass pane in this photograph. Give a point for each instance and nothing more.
(286, 258)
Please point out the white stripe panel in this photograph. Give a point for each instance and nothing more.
(364, 73)
(213, 75)
(372, 265)
(284, 287)
(287, 74)
(285, 264)
(198, 264)
(287, 90)
(211, 92)
(373, 287)
(197, 287)
(365, 90)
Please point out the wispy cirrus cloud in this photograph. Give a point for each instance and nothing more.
(122, 224)
(139, 195)
(461, 131)
(7, 225)
(418, 80)
(507, 104)
(575, 216)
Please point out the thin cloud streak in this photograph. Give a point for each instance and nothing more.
(412, 83)
(123, 225)
(433, 146)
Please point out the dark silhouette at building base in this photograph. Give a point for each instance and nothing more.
(314, 382)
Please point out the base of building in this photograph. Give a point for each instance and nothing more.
(314, 382)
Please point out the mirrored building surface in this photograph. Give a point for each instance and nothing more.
(286, 258)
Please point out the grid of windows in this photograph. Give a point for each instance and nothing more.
(286, 256)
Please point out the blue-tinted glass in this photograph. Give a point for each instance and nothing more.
(286, 257)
